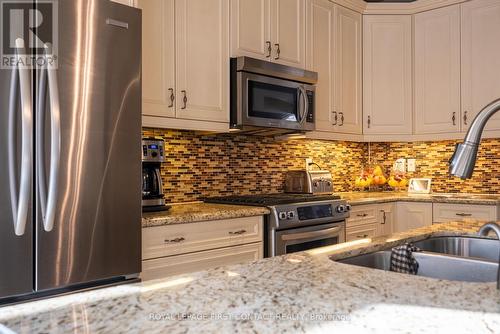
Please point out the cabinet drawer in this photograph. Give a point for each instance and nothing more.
(186, 238)
(182, 264)
(361, 232)
(362, 214)
(458, 212)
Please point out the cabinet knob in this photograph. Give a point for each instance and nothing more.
(369, 122)
(278, 51)
(341, 118)
(465, 117)
(453, 118)
(269, 49)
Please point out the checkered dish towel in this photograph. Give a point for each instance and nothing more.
(402, 259)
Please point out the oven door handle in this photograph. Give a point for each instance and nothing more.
(313, 234)
(303, 111)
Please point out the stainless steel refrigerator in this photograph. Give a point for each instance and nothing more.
(70, 163)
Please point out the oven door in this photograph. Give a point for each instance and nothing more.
(270, 102)
(305, 238)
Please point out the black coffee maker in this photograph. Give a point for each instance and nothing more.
(153, 155)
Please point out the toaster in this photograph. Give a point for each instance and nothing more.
(309, 182)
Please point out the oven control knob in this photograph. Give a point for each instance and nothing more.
(341, 208)
(348, 207)
(282, 215)
(291, 214)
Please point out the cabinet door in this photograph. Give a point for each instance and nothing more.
(192, 262)
(320, 32)
(158, 54)
(288, 32)
(250, 28)
(347, 75)
(385, 219)
(437, 71)
(412, 215)
(480, 59)
(202, 57)
(387, 79)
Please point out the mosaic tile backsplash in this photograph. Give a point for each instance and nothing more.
(201, 165)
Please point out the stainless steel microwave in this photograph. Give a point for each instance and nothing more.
(270, 95)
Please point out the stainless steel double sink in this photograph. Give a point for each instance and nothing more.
(450, 258)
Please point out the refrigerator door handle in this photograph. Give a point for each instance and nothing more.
(20, 202)
(48, 200)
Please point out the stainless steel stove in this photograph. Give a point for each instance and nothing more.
(297, 222)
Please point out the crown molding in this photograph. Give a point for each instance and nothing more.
(407, 8)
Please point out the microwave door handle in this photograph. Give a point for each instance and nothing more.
(20, 202)
(304, 111)
(313, 234)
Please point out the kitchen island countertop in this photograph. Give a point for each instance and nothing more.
(298, 293)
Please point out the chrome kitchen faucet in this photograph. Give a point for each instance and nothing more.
(463, 161)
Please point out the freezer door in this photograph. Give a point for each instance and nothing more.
(16, 238)
(89, 187)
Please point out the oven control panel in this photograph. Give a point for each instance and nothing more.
(296, 215)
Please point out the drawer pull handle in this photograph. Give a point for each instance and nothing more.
(362, 214)
(176, 240)
(461, 214)
(239, 232)
(362, 236)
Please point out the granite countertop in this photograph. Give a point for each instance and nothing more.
(357, 198)
(198, 212)
(297, 293)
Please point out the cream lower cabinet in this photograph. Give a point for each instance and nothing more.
(411, 215)
(444, 212)
(186, 263)
(437, 71)
(334, 51)
(387, 74)
(183, 248)
(186, 64)
(370, 220)
(271, 30)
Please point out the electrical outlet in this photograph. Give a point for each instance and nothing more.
(400, 165)
(308, 162)
(411, 165)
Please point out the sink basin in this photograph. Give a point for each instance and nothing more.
(449, 267)
(488, 249)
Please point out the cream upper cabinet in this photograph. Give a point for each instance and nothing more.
(437, 71)
(347, 100)
(158, 66)
(269, 29)
(334, 51)
(288, 31)
(387, 79)
(202, 59)
(250, 28)
(320, 58)
(480, 59)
